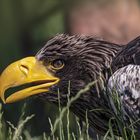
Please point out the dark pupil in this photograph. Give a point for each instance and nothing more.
(57, 63)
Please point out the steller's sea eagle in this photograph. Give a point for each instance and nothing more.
(78, 60)
(125, 80)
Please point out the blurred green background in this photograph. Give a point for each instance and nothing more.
(26, 25)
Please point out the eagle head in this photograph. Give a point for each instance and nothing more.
(65, 61)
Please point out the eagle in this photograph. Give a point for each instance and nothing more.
(74, 62)
(125, 80)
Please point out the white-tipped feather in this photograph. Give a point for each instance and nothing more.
(126, 81)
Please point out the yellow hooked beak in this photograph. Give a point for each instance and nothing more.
(23, 72)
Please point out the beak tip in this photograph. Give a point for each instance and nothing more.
(3, 100)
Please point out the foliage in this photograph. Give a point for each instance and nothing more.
(21, 132)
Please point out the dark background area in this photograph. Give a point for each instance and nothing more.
(26, 25)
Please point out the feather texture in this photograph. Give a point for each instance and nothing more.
(126, 79)
(86, 59)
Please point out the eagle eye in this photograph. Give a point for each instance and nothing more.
(57, 64)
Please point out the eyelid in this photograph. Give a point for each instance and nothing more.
(54, 68)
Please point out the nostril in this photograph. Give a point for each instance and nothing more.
(24, 69)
